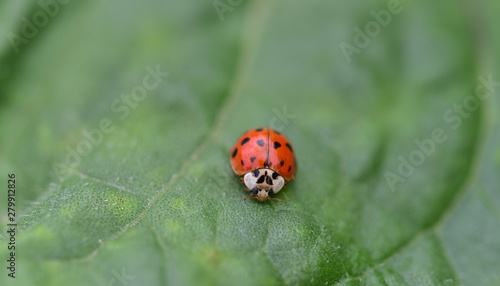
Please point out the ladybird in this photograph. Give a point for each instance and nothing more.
(265, 160)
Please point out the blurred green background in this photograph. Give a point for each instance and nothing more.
(117, 118)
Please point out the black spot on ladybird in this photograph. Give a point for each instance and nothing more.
(289, 168)
(289, 146)
(282, 163)
(269, 181)
(275, 175)
(277, 145)
(235, 152)
(261, 143)
(244, 141)
(252, 159)
(259, 129)
(261, 179)
(255, 173)
(242, 163)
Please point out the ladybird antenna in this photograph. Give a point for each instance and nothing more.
(250, 197)
(276, 199)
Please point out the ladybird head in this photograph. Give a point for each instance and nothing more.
(263, 183)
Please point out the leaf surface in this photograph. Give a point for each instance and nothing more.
(395, 186)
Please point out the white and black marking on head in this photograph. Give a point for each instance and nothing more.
(263, 183)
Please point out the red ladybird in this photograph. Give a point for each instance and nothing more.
(265, 160)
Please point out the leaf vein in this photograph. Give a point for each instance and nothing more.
(479, 146)
(447, 256)
(85, 176)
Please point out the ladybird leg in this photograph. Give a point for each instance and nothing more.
(252, 196)
(241, 179)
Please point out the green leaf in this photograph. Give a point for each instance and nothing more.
(117, 119)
